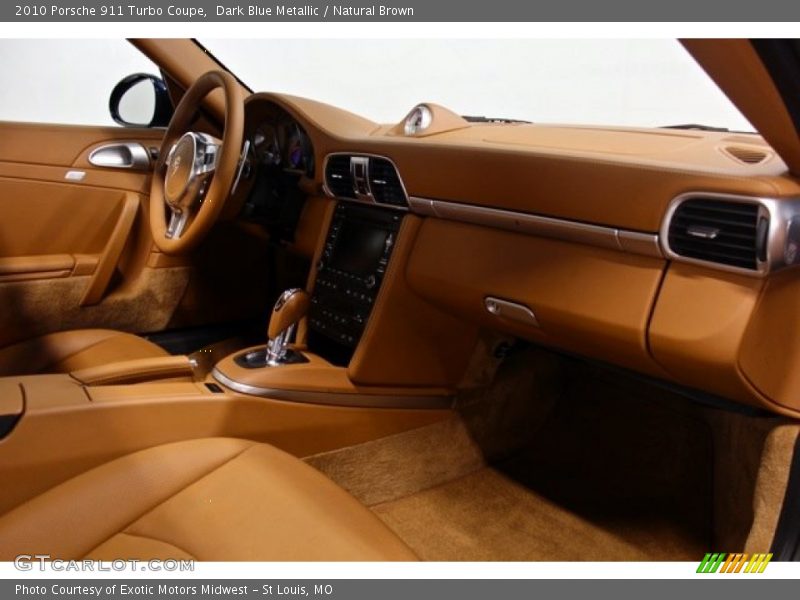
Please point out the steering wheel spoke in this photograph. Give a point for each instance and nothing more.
(178, 219)
(193, 182)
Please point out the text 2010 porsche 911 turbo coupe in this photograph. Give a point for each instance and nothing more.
(254, 326)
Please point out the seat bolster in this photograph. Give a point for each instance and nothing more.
(211, 499)
(264, 505)
(66, 351)
(76, 516)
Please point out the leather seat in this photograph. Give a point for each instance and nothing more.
(68, 351)
(214, 499)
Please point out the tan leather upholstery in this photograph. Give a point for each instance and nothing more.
(208, 499)
(173, 368)
(67, 351)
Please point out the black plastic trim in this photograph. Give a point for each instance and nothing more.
(691, 394)
(220, 64)
(7, 424)
(162, 112)
(257, 359)
(192, 339)
(782, 60)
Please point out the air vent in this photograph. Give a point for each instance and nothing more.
(339, 177)
(747, 155)
(368, 179)
(385, 184)
(719, 231)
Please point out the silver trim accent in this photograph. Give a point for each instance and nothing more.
(367, 198)
(513, 311)
(634, 242)
(359, 171)
(782, 238)
(336, 398)
(595, 235)
(75, 175)
(205, 154)
(240, 169)
(177, 223)
(425, 116)
(121, 155)
(421, 206)
(705, 233)
(278, 347)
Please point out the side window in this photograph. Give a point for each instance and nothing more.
(65, 81)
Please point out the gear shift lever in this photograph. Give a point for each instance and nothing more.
(291, 306)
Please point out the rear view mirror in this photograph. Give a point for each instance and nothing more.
(141, 100)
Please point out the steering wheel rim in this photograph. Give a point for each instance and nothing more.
(195, 172)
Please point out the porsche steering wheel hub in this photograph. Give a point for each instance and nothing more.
(190, 161)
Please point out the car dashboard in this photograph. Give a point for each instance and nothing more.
(666, 252)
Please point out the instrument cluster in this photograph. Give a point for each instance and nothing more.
(281, 142)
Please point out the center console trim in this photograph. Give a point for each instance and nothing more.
(359, 400)
(342, 299)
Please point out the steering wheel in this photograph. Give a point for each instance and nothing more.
(195, 172)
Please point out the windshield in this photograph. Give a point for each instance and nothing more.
(645, 83)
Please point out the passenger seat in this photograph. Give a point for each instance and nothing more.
(215, 499)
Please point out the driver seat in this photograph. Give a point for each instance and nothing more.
(67, 351)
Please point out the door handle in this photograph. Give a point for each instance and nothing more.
(121, 155)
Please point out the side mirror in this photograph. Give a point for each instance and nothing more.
(141, 100)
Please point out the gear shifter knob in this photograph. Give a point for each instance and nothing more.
(291, 306)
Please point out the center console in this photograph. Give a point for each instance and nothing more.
(349, 275)
(341, 321)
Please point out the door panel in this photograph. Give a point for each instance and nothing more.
(63, 145)
(74, 238)
(40, 218)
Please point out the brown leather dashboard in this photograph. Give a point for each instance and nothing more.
(565, 221)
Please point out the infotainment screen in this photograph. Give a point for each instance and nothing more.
(359, 247)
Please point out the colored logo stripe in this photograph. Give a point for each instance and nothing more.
(734, 563)
(758, 563)
(710, 563)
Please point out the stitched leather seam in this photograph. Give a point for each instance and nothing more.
(150, 509)
(84, 349)
(150, 537)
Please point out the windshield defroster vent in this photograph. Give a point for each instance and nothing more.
(746, 154)
(722, 232)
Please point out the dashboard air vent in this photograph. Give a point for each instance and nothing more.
(339, 177)
(719, 231)
(747, 155)
(385, 184)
